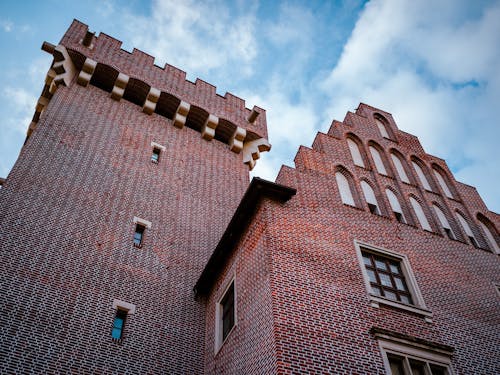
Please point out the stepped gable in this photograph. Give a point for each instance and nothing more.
(107, 50)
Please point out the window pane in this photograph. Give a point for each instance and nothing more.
(405, 299)
(371, 276)
(385, 279)
(390, 295)
(399, 167)
(394, 268)
(376, 290)
(344, 189)
(379, 164)
(421, 176)
(380, 264)
(438, 370)
(356, 155)
(422, 219)
(396, 366)
(116, 333)
(366, 260)
(118, 323)
(399, 284)
(417, 368)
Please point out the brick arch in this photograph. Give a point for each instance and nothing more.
(427, 213)
(383, 156)
(136, 91)
(404, 163)
(457, 231)
(425, 171)
(351, 182)
(447, 180)
(476, 233)
(378, 195)
(494, 239)
(402, 203)
(353, 137)
(104, 77)
(385, 123)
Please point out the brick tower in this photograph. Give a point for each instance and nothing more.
(127, 179)
(131, 240)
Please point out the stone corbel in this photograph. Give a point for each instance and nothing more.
(63, 66)
(208, 129)
(119, 87)
(86, 72)
(252, 150)
(236, 140)
(181, 114)
(151, 100)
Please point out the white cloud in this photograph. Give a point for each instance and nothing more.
(197, 36)
(22, 105)
(6, 25)
(439, 79)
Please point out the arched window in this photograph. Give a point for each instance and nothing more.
(344, 189)
(382, 127)
(399, 167)
(422, 219)
(467, 230)
(444, 222)
(489, 234)
(421, 176)
(370, 198)
(442, 183)
(377, 158)
(355, 153)
(396, 207)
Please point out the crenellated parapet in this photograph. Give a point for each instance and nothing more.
(100, 61)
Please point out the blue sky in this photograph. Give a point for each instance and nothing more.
(435, 65)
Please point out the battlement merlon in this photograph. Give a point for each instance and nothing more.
(107, 50)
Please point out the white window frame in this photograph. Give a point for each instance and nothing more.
(382, 128)
(443, 184)
(418, 305)
(419, 211)
(421, 176)
(400, 168)
(344, 188)
(219, 342)
(379, 162)
(412, 350)
(355, 153)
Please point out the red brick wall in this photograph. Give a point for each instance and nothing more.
(66, 214)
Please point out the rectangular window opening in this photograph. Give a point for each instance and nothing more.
(449, 233)
(399, 217)
(155, 156)
(373, 209)
(473, 242)
(227, 304)
(139, 235)
(118, 324)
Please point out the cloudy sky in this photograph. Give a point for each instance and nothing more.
(435, 65)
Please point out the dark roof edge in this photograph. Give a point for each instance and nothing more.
(257, 189)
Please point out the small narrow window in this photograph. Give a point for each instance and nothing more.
(344, 189)
(225, 316)
(382, 128)
(399, 167)
(444, 223)
(139, 235)
(490, 236)
(355, 153)
(467, 230)
(396, 207)
(155, 156)
(422, 219)
(443, 184)
(118, 324)
(370, 198)
(421, 176)
(379, 164)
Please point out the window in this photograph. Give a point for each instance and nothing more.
(421, 176)
(406, 355)
(118, 324)
(399, 167)
(344, 189)
(489, 235)
(355, 153)
(467, 230)
(157, 150)
(443, 184)
(370, 198)
(140, 228)
(155, 156)
(225, 316)
(139, 235)
(389, 280)
(396, 207)
(382, 129)
(379, 164)
(122, 310)
(422, 219)
(444, 223)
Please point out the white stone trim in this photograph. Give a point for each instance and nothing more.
(409, 349)
(146, 223)
(157, 145)
(418, 307)
(236, 140)
(218, 316)
(181, 114)
(119, 87)
(208, 129)
(121, 305)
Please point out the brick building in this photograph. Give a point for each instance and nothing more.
(133, 242)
